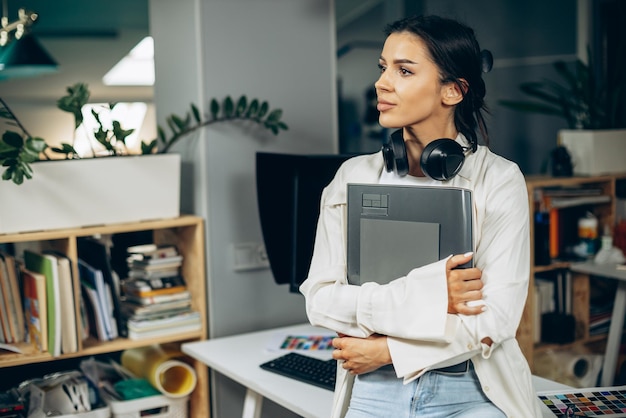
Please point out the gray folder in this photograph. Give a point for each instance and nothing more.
(393, 229)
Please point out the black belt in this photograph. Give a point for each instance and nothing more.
(459, 368)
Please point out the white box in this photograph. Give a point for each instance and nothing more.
(158, 406)
(595, 152)
(92, 191)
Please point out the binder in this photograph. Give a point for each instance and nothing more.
(393, 229)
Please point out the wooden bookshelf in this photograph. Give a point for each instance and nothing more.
(187, 233)
(605, 212)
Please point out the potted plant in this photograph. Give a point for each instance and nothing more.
(594, 110)
(72, 191)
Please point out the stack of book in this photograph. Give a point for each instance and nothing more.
(155, 299)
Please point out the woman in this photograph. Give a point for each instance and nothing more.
(430, 87)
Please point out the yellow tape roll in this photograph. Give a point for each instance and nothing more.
(171, 377)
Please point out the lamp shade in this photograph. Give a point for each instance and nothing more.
(25, 57)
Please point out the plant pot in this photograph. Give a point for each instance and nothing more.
(595, 152)
(94, 191)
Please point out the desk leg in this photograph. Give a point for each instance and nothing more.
(252, 404)
(615, 335)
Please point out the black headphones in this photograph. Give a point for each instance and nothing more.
(441, 160)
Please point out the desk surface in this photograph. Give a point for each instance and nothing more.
(238, 357)
(604, 270)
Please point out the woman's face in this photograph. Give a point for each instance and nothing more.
(409, 90)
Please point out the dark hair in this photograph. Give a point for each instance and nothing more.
(454, 49)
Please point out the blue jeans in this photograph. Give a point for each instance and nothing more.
(381, 394)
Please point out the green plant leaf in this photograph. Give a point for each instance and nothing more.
(215, 109)
(242, 104)
(262, 110)
(229, 107)
(275, 115)
(77, 97)
(121, 134)
(181, 124)
(253, 108)
(161, 134)
(195, 112)
(148, 148)
(13, 139)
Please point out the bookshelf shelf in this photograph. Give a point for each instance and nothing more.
(605, 212)
(187, 234)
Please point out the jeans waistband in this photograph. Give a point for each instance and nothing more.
(459, 368)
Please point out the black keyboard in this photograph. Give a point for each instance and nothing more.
(306, 369)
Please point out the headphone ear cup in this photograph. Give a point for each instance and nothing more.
(394, 154)
(442, 159)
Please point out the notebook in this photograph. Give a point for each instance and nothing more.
(393, 229)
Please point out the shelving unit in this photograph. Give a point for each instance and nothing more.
(187, 233)
(605, 212)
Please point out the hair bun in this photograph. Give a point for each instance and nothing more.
(486, 59)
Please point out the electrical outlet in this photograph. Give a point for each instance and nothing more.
(249, 256)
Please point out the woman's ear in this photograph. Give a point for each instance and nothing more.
(452, 94)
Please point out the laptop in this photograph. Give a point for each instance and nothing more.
(393, 229)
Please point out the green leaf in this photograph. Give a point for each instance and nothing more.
(7, 174)
(78, 96)
(195, 112)
(253, 109)
(13, 139)
(263, 110)
(182, 124)
(119, 133)
(36, 144)
(275, 115)
(229, 107)
(242, 104)
(147, 148)
(215, 109)
(161, 134)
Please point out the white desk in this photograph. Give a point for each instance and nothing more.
(617, 317)
(238, 357)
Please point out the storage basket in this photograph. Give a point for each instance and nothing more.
(158, 406)
(104, 412)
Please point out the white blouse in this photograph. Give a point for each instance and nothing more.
(412, 310)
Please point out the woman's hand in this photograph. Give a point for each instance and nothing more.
(464, 285)
(362, 355)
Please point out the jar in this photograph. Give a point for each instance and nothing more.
(588, 235)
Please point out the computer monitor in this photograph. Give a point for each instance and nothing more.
(289, 187)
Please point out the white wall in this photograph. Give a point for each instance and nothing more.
(281, 51)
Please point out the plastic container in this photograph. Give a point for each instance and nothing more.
(104, 412)
(159, 406)
(588, 234)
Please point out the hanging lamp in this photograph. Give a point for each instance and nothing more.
(21, 55)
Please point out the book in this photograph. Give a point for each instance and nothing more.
(147, 300)
(47, 265)
(151, 251)
(35, 308)
(153, 287)
(94, 312)
(95, 253)
(101, 300)
(12, 271)
(153, 273)
(5, 320)
(165, 325)
(69, 337)
(131, 309)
